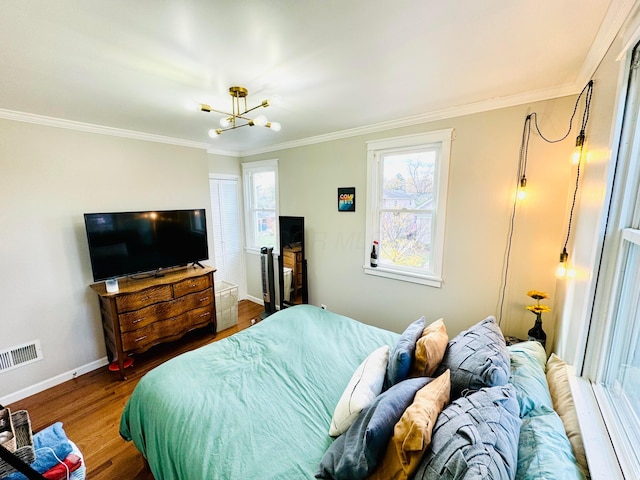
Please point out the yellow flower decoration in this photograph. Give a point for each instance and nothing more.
(538, 295)
(537, 308)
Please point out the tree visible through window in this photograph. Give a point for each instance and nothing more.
(406, 213)
(261, 202)
(406, 205)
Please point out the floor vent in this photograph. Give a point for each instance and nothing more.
(20, 355)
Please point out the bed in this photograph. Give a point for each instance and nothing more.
(260, 404)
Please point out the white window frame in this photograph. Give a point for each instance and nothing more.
(615, 436)
(248, 170)
(442, 140)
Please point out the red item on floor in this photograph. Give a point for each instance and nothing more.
(113, 366)
(59, 472)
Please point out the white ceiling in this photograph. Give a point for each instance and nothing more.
(337, 65)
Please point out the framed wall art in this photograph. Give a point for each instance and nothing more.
(346, 199)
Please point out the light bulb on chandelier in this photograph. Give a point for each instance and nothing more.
(238, 116)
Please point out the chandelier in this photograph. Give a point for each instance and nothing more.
(237, 118)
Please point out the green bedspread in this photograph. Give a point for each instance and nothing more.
(256, 405)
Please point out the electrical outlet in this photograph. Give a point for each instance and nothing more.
(323, 306)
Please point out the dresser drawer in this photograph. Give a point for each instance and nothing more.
(200, 316)
(135, 320)
(190, 285)
(148, 296)
(158, 332)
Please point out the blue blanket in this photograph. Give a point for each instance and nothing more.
(49, 443)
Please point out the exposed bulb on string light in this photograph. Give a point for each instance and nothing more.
(562, 270)
(576, 155)
(522, 193)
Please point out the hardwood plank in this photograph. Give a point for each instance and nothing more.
(90, 406)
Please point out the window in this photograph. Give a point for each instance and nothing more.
(406, 202)
(261, 203)
(612, 359)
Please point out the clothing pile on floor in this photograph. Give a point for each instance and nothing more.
(57, 457)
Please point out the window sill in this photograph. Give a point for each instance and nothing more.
(403, 276)
(601, 456)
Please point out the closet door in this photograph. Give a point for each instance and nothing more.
(227, 231)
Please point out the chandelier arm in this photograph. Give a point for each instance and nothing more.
(233, 128)
(218, 111)
(252, 109)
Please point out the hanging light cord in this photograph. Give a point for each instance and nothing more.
(587, 91)
(522, 169)
(583, 127)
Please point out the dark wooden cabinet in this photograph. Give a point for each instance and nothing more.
(292, 258)
(149, 311)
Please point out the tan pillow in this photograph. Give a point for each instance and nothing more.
(564, 406)
(430, 349)
(412, 433)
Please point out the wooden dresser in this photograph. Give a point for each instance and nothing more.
(149, 311)
(292, 258)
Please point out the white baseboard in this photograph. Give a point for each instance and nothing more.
(52, 382)
(255, 299)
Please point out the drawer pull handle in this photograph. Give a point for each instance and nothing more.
(203, 299)
(204, 314)
(138, 320)
(193, 284)
(141, 338)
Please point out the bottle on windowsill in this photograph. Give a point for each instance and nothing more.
(374, 254)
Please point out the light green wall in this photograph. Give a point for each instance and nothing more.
(481, 187)
(49, 177)
(224, 164)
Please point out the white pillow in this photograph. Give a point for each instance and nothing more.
(365, 385)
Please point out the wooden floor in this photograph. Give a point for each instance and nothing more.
(89, 406)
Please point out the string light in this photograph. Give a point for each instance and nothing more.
(576, 155)
(563, 269)
(522, 192)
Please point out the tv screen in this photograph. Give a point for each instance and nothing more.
(127, 243)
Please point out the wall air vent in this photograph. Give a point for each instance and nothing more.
(20, 355)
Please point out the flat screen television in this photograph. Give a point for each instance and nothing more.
(128, 243)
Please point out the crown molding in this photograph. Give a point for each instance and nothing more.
(617, 14)
(228, 153)
(99, 129)
(442, 114)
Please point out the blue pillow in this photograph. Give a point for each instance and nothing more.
(544, 450)
(475, 437)
(530, 379)
(477, 358)
(401, 357)
(356, 453)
